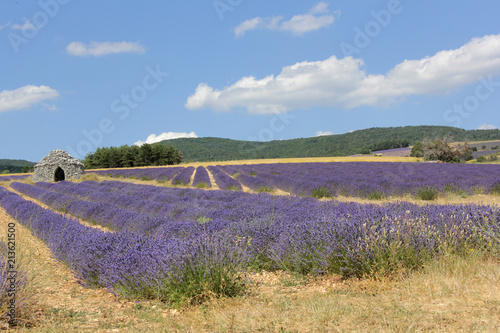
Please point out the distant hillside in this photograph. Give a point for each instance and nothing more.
(14, 166)
(217, 149)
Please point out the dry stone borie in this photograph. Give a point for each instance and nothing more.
(56, 166)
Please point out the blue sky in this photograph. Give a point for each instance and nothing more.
(77, 75)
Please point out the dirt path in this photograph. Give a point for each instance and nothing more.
(212, 180)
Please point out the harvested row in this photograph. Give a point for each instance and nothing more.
(160, 174)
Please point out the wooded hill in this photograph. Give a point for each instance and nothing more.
(377, 138)
(14, 166)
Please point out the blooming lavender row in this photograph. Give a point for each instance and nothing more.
(201, 178)
(390, 179)
(223, 180)
(13, 177)
(220, 210)
(101, 213)
(246, 177)
(184, 177)
(306, 235)
(125, 263)
(291, 233)
(142, 173)
(141, 209)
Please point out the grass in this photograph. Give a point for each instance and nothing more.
(496, 189)
(267, 189)
(26, 279)
(233, 188)
(321, 192)
(366, 158)
(427, 194)
(179, 182)
(454, 294)
(202, 185)
(375, 195)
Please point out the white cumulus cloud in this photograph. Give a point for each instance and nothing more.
(25, 97)
(323, 133)
(26, 26)
(487, 127)
(153, 138)
(98, 49)
(318, 17)
(345, 84)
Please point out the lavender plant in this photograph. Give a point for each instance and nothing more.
(223, 180)
(201, 178)
(184, 177)
(374, 179)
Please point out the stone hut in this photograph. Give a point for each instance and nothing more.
(56, 166)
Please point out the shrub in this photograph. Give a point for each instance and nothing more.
(145, 178)
(427, 193)
(481, 159)
(202, 185)
(375, 195)
(495, 189)
(321, 192)
(233, 188)
(253, 174)
(493, 157)
(265, 189)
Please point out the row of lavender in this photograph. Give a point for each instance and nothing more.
(361, 179)
(293, 233)
(13, 177)
(130, 264)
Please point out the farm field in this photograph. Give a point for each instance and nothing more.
(186, 254)
(373, 180)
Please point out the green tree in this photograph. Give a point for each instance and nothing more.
(417, 150)
(145, 155)
(127, 155)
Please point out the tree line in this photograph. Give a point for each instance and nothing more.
(132, 156)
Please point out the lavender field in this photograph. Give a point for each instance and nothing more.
(372, 180)
(181, 244)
